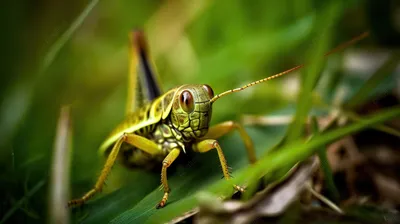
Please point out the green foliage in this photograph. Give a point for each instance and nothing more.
(76, 53)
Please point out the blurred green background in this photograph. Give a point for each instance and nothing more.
(54, 54)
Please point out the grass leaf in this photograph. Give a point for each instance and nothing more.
(326, 22)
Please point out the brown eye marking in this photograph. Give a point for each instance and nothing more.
(186, 101)
(209, 90)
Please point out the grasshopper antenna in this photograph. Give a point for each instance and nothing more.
(336, 49)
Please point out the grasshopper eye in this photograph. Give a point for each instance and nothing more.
(186, 100)
(209, 91)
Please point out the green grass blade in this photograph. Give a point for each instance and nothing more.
(298, 150)
(223, 63)
(18, 100)
(60, 42)
(383, 128)
(363, 94)
(326, 22)
(326, 168)
(10, 212)
(352, 116)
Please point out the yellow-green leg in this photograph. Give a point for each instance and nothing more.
(139, 142)
(166, 163)
(219, 130)
(208, 144)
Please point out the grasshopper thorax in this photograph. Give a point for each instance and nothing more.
(191, 110)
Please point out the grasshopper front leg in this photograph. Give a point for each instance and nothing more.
(139, 142)
(219, 130)
(168, 160)
(208, 144)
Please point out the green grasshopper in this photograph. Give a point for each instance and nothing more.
(156, 132)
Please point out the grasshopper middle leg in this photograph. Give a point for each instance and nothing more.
(139, 142)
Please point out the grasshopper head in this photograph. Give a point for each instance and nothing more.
(191, 110)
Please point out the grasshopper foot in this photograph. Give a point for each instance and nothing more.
(160, 205)
(239, 188)
(163, 201)
(75, 203)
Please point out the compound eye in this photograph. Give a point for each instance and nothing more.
(186, 101)
(209, 90)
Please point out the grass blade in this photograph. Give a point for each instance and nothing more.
(326, 169)
(10, 212)
(58, 211)
(18, 100)
(297, 151)
(385, 70)
(60, 42)
(326, 22)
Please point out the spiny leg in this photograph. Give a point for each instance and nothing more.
(208, 144)
(219, 130)
(139, 142)
(166, 163)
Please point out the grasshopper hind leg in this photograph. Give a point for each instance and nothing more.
(100, 181)
(139, 142)
(143, 83)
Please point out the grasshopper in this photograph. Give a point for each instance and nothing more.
(159, 127)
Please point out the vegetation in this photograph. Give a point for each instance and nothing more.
(76, 53)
